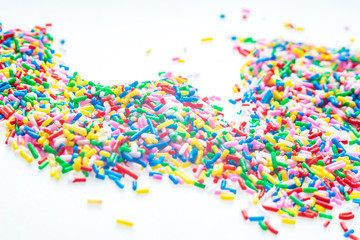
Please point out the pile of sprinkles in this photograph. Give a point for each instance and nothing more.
(291, 154)
(303, 106)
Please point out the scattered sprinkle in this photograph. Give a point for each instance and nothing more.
(126, 223)
(94, 201)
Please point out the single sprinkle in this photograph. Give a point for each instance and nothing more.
(142, 191)
(209, 39)
(94, 201)
(124, 222)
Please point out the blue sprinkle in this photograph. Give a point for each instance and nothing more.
(134, 185)
(257, 219)
(267, 97)
(232, 101)
(351, 231)
(173, 179)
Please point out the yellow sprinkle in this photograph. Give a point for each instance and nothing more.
(283, 175)
(297, 181)
(142, 191)
(354, 195)
(224, 154)
(234, 89)
(197, 144)
(270, 139)
(270, 178)
(90, 152)
(52, 172)
(253, 178)
(79, 130)
(207, 39)
(148, 51)
(277, 95)
(94, 201)
(104, 154)
(312, 202)
(47, 122)
(298, 52)
(26, 156)
(123, 222)
(202, 175)
(15, 145)
(165, 124)
(185, 165)
(320, 208)
(57, 174)
(292, 211)
(183, 176)
(199, 157)
(227, 196)
(288, 221)
(255, 198)
(8, 51)
(215, 149)
(297, 158)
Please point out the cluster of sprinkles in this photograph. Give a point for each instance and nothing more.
(303, 106)
(87, 130)
(291, 156)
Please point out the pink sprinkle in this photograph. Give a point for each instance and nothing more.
(157, 176)
(245, 10)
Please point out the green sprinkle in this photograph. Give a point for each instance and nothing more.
(33, 150)
(263, 225)
(200, 185)
(43, 165)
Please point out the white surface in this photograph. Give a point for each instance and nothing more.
(107, 41)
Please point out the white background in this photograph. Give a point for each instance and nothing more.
(106, 41)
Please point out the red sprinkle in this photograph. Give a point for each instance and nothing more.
(353, 237)
(42, 160)
(79, 180)
(346, 216)
(343, 226)
(123, 170)
(327, 223)
(270, 228)
(269, 208)
(245, 215)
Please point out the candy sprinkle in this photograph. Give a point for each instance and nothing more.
(94, 201)
(123, 222)
(209, 39)
(142, 191)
